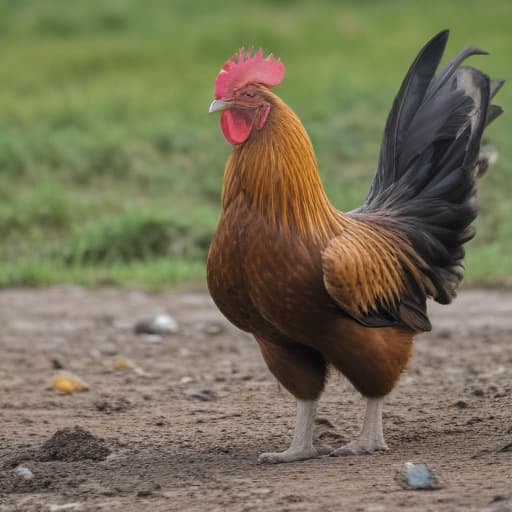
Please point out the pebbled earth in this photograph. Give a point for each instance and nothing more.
(175, 422)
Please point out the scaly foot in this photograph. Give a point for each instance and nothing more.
(371, 438)
(289, 455)
(302, 442)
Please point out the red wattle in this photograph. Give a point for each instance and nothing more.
(235, 126)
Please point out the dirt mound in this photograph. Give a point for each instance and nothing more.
(71, 445)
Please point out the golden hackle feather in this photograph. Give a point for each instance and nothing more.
(277, 172)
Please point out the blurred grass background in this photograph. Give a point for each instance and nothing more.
(110, 167)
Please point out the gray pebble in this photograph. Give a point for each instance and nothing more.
(418, 477)
(205, 395)
(24, 472)
(158, 324)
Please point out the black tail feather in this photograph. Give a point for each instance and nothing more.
(496, 85)
(494, 111)
(426, 178)
(451, 67)
(408, 100)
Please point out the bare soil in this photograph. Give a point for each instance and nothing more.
(181, 428)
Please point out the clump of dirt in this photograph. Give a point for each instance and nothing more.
(71, 445)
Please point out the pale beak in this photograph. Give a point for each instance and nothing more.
(218, 105)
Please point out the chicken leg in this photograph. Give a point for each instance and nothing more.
(301, 447)
(371, 438)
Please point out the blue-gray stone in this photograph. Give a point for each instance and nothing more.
(418, 476)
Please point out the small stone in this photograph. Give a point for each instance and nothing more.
(506, 449)
(418, 477)
(212, 328)
(262, 491)
(158, 324)
(144, 493)
(292, 498)
(186, 380)
(461, 404)
(56, 364)
(67, 382)
(108, 349)
(123, 364)
(205, 395)
(24, 472)
(65, 507)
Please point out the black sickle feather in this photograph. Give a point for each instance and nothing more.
(425, 183)
(408, 99)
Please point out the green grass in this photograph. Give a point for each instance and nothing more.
(110, 167)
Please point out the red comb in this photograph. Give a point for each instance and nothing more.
(243, 69)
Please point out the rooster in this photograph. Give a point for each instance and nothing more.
(319, 288)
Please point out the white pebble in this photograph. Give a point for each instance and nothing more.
(24, 472)
(65, 506)
(165, 323)
(161, 323)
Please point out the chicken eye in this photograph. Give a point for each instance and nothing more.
(249, 94)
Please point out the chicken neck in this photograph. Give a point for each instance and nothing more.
(277, 173)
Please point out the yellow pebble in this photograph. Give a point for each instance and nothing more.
(123, 364)
(66, 382)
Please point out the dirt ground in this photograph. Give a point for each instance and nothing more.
(182, 428)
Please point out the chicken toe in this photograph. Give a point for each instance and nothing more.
(359, 447)
(290, 455)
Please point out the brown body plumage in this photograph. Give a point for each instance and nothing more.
(265, 269)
